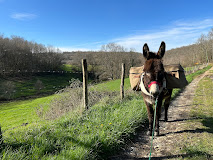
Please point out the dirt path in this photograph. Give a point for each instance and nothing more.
(165, 146)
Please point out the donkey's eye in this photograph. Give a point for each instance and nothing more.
(148, 74)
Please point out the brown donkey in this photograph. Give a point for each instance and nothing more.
(153, 85)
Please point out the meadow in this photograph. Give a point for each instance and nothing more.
(34, 85)
(93, 134)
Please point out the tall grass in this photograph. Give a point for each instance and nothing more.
(95, 134)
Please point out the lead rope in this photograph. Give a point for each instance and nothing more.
(153, 128)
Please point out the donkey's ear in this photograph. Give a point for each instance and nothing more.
(145, 51)
(162, 49)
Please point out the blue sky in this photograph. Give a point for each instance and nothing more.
(88, 24)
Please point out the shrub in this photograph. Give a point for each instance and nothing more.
(7, 88)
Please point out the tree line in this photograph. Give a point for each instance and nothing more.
(198, 53)
(18, 54)
(106, 63)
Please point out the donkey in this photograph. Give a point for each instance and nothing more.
(153, 86)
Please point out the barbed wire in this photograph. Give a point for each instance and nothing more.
(42, 71)
(38, 71)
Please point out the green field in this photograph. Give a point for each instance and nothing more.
(91, 134)
(113, 85)
(14, 114)
(37, 84)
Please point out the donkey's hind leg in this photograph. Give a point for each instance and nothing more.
(167, 103)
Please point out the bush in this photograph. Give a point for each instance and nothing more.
(7, 88)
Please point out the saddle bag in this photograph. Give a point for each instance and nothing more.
(134, 77)
(175, 77)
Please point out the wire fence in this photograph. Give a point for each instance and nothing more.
(37, 71)
(27, 85)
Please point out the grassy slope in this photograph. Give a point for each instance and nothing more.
(113, 85)
(99, 131)
(51, 82)
(13, 111)
(14, 114)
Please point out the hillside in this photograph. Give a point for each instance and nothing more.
(92, 134)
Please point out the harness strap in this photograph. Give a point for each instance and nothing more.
(154, 82)
(143, 89)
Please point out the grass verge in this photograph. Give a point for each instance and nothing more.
(198, 144)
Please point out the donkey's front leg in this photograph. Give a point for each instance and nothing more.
(158, 115)
(150, 117)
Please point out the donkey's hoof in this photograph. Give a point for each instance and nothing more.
(156, 133)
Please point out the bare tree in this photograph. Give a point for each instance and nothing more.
(16, 54)
(210, 41)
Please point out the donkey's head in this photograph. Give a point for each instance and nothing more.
(154, 77)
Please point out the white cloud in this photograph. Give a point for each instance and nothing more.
(70, 49)
(178, 34)
(90, 46)
(23, 16)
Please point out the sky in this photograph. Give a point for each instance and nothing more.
(84, 25)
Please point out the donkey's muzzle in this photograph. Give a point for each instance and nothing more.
(154, 88)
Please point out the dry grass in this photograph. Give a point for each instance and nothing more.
(71, 98)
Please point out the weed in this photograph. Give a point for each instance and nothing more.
(39, 86)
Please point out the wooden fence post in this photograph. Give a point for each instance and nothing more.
(85, 83)
(122, 81)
